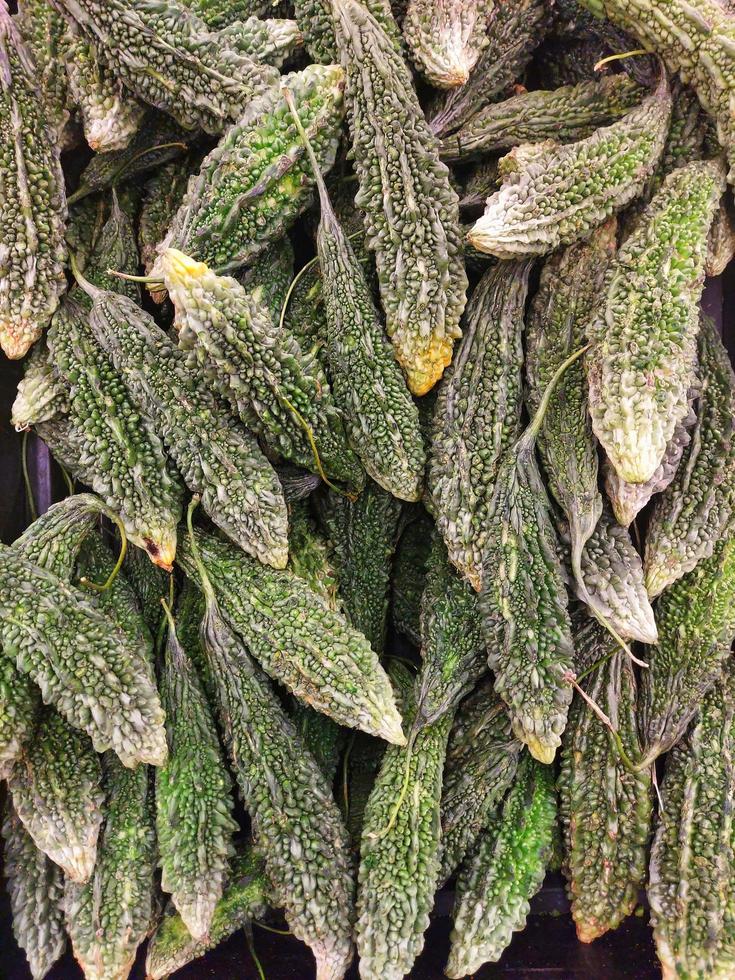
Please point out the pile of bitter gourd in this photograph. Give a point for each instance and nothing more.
(399, 546)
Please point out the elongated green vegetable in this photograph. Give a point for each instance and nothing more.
(447, 38)
(316, 20)
(408, 577)
(411, 214)
(41, 395)
(44, 31)
(162, 196)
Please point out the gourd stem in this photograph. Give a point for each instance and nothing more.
(619, 57)
(537, 421)
(89, 288)
(167, 606)
(278, 932)
(148, 280)
(207, 587)
(67, 479)
(168, 614)
(404, 787)
(26, 476)
(622, 754)
(120, 559)
(251, 947)
(84, 190)
(345, 771)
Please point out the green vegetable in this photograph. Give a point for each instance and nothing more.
(36, 888)
(298, 639)
(721, 240)
(269, 276)
(554, 195)
(44, 31)
(149, 583)
(446, 39)
(34, 202)
(643, 360)
(163, 194)
(222, 13)
(478, 414)
(411, 213)
(41, 395)
(409, 576)
(172, 947)
(363, 758)
(697, 508)
(316, 19)
(109, 917)
(86, 219)
(504, 873)
(311, 557)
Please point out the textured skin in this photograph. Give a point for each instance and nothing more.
(51, 629)
(222, 13)
(216, 457)
(565, 114)
(163, 194)
(481, 182)
(696, 624)
(556, 326)
(452, 642)
(695, 38)
(57, 793)
(381, 418)
(504, 873)
(310, 555)
(85, 222)
(172, 947)
(298, 640)
(554, 195)
(316, 20)
(110, 115)
(41, 395)
(43, 30)
(32, 249)
(411, 212)
(478, 414)
(721, 240)
(257, 181)
(108, 917)
(523, 585)
(269, 276)
(163, 54)
(36, 888)
(643, 360)
(605, 809)
(446, 37)
(296, 823)
(120, 450)
(399, 867)
(481, 765)
(516, 27)
(363, 536)
(115, 248)
(698, 506)
(276, 388)
(194, 821)
(409, 577)
(691, 873)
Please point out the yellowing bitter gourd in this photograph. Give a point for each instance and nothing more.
(257, 181)
(32, 189)
(554, 195)
(36, 888)
(605, 809)
(478, 414)
(643, 359)
(399, 852)
(411, 212)
(698, 506)
(276, 388)
(504, 873)
(57, 793)
(696, 622)
(108, 917)
(447, 37)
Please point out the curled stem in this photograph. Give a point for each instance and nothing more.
(615, 735)
(121, 557)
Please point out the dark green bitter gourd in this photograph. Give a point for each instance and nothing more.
(32, 189)
(411, 212)
(193, 797)
(109, 917)
(36, 889)
(408, 576)
(163, 193)
(149, 583)
(316, 20)
(44, 31)
(381, 418)
(269, 276)
(298, 639)
(504, 873)
(554, 194)
(478, 414)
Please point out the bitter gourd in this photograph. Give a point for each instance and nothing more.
(363, 536)
(504, 873)
(216, 457)
(643, 359)
(696, 624)
(32, 187)
(482, 758)
(605, 809)
(276, 388)
(86, 220)
(381, 418)
(57, 793)
(222, 13)
(691, 872)
(446, 39)
(399, 862)
(315, 18)
(193, 797)
(698, 506)
(164, 192)
(554, 194)
(165, 56)
(453, 647)
(566, 114)
(149, 583)
(298, 639)
(411, 211)
(721, 240)
(257, 181)
(408, 577)
(172, 947)
(41, 395)
(109, 917)
(270, 275)
(362, 761)
(51, 631)
(44, 31)
(477, 415)
(36, 888)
